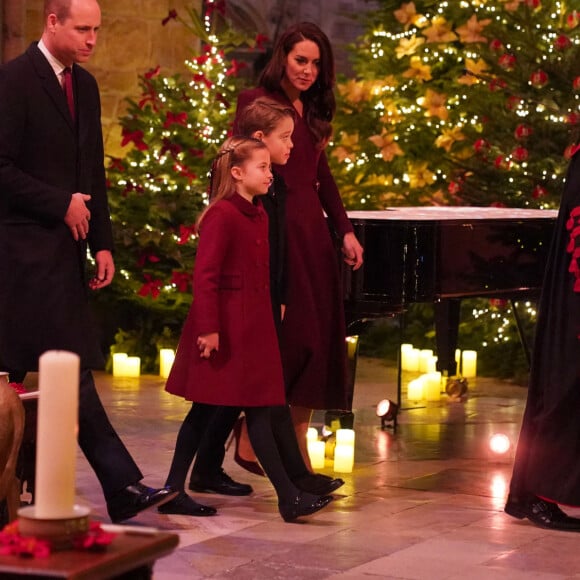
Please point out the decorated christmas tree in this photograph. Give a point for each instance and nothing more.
(461, 103)
(157, 190)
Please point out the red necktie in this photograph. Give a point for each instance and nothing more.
(68, 90)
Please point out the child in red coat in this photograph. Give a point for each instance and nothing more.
(228, 352)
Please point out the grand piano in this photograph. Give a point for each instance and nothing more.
(441, 255)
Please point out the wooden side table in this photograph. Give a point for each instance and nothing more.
(130, 556)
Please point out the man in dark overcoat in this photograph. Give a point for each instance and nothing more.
(53, 206)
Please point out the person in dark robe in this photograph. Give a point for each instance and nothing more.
(547, 467)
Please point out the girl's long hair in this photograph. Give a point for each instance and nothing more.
(234, 152)
(319, 101)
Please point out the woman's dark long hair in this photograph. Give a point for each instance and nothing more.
(319, 101)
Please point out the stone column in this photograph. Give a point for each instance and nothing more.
(13, 25)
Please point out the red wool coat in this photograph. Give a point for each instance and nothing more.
(231, 288)
(313, 332)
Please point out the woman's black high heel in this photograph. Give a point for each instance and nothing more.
(248, 465)
(303, 504)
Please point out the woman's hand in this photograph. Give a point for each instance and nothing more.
(208, 343)
(352, 250)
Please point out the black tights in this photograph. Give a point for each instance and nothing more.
(264, 443)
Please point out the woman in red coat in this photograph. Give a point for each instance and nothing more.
(228, 351)
(301, 73)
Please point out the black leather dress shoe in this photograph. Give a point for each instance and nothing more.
(542, 513)
(318, 484)
(183, 505)
(220, 483)
(137, 498)
(303, 504)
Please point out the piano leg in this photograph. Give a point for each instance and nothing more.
(446, 334)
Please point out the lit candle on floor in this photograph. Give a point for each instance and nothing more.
(405, 352)
(416, 390)
(316, 450)
(312, 434)
(56, 440)
(343, 458)
(166, 358)
(469, 363)
(119, 359)
(345, 437)
(433, 386)
(132, 366)
(424, 356)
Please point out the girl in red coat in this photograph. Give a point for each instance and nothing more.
(228, 351)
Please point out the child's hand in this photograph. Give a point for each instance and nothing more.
(207, 343)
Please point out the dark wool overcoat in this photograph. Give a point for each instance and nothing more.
(312, 339)
(231, 296)
(44, 158)
(547, 458)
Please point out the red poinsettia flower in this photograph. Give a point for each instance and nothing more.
(181, 280)
(520, 154)
(507, 61)
(562, 42)
(135, 137)
(539, 79)
(522, 131)
(539, 191)
(573, 19)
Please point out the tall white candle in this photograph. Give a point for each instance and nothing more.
(119, 359)
(343, 458)
(424, 357)
(406, 348)
(166, 358)
(433, 386)
(469, 363)
(416, 389)
(345, 436)
(56, 447)
(316, 450)
(132, 366)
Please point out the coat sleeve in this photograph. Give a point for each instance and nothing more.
(330, 198)
(25, 194)
(210, 257)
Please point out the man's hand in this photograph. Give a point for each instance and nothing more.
(78, 215)
(104, 271)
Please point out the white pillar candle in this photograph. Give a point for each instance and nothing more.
(433, 386)
(424, 355)
(132, 366)
(166, 358)
(56, 439)
(119, 363)
(343, 458)
(431, 366)
(416, 390)
(469, 363)
(412, 360)
(405, 351)
(312, 434)
(345, 437)
(316, 450)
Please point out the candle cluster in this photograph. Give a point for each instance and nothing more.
(343, 453)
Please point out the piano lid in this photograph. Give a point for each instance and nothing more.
(450, 213)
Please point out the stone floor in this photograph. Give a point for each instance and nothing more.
(425, 502)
